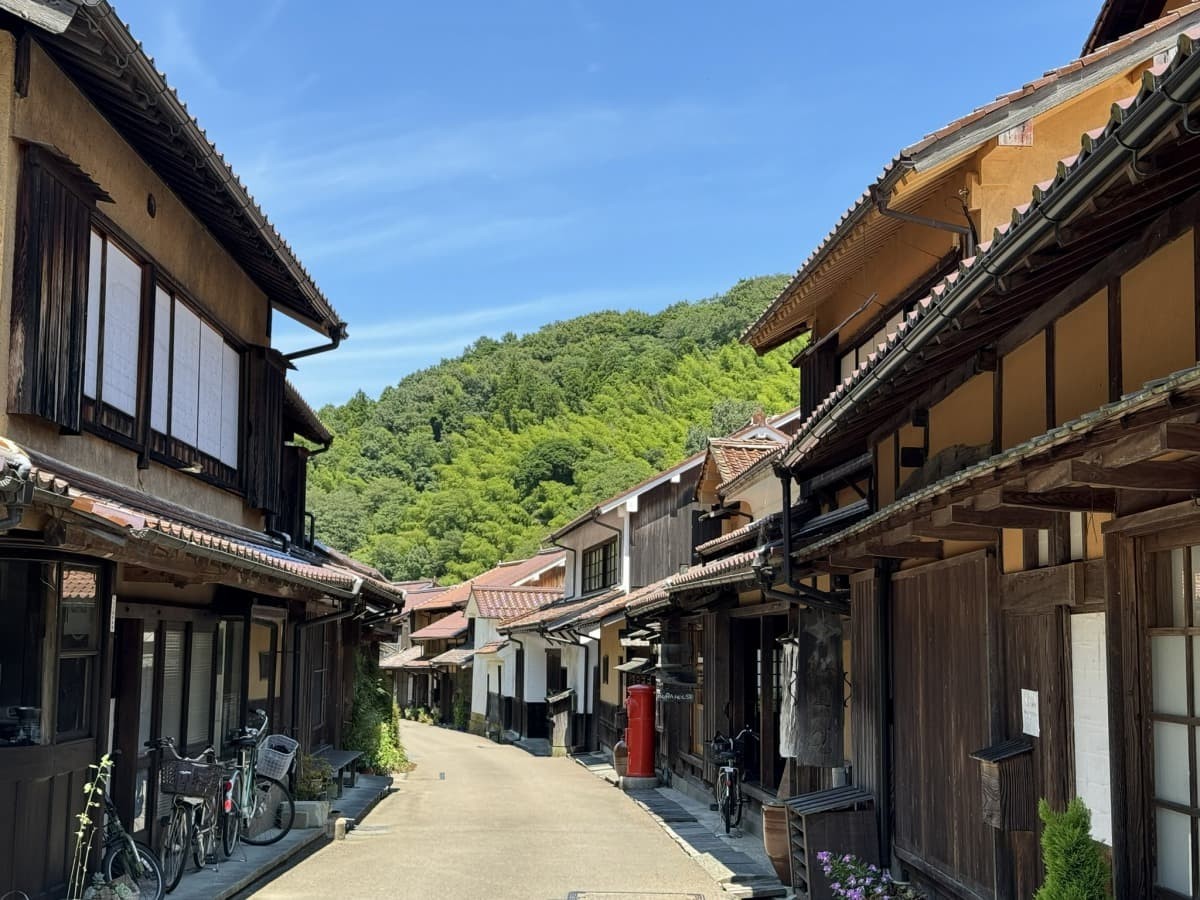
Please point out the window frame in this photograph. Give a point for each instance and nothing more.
(606, 572)
(52, 653)
(149, 443)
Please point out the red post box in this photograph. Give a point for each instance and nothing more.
(639, 736)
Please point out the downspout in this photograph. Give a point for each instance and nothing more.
(574, 552)
(883, 633)
(967, 231)
(335, 341)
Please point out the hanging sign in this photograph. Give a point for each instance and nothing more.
(1029, 713)
(676, 692)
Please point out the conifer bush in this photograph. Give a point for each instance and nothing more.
(1076, 867)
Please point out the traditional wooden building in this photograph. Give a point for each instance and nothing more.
(160, 577)
(1019, 597)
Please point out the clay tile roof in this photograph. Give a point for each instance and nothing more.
(210, 539)
(447, 627)
(747, 532)
(507, 602)
(454, 657)
(557, 614)
(979, 274)
(78, 584)
(732, 458)
(492, 647)
(728, 568)
(770, 329)
(403, 659)
(516, 571)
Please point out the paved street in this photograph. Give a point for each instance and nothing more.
(477, 819)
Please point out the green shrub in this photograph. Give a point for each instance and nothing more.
(314, 776)
(461, 712)
(1076, 867)
(375, 720)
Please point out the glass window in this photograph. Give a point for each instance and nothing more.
(114, 318)
(1175, 718)
(601, 566)
(26, 592)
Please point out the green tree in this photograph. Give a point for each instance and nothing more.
(1076, 868)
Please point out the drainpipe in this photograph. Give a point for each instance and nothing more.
(967, 231)
(282, 536)
(335, 340)
(883, 633)
(574, 555)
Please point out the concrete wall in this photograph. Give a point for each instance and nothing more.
(55, 112)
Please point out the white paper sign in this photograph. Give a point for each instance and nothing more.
(1029, 712)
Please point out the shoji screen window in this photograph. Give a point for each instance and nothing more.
(1174, 720)
(195, 402)
(114, 304)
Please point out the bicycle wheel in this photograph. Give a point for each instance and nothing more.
(736, 802)
(204, 833)
(175, 844)
(726, 798)
(272, 812)
(140, 864)
(231, 830)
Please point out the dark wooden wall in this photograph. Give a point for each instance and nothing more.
(665, 529)
(865, 743)
(942, 705)
(41, 792)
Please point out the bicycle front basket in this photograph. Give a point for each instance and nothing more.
(192, 779)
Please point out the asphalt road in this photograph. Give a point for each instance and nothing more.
(477, 819)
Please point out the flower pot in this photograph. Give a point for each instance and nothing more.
(775, 839)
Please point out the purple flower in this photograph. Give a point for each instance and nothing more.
(824, 856)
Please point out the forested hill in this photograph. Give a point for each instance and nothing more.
(475, 459)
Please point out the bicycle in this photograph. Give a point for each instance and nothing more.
(123, 856)
(256, 808)
(193, 822)
(728, 790)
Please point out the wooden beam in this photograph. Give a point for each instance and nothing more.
(1168, 437)
(1039, 590)
(1076, 499)
(955, 532)
(994, 517)
(1181, 475)
(904, 549)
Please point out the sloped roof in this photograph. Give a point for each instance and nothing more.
(928, 157)
(1052, 202)
(491, 647)
(736, 567)
(110, 67)
(306, 422)
(432, 598)
(507, 602)
(454, 657)
(446, 627)
(1120, 17)
(401, 659)
(747, 532)
(557, 614)
(515, 572)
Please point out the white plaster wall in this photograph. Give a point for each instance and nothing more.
(535, 668)
(581, 663)
(763, 496)
(485, 630)
(1089, 691)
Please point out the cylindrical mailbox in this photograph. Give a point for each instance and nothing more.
(639, 736)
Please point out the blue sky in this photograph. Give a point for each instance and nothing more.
(447, 170)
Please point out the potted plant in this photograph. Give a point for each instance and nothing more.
(314, 782)
(1076, 867)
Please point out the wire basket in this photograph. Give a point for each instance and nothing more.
(275, 756)
(192, 779)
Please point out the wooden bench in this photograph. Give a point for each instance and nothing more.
(341, 761)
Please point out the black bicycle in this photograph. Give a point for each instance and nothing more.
(193, 824)
(123, 856)
(726, 753)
